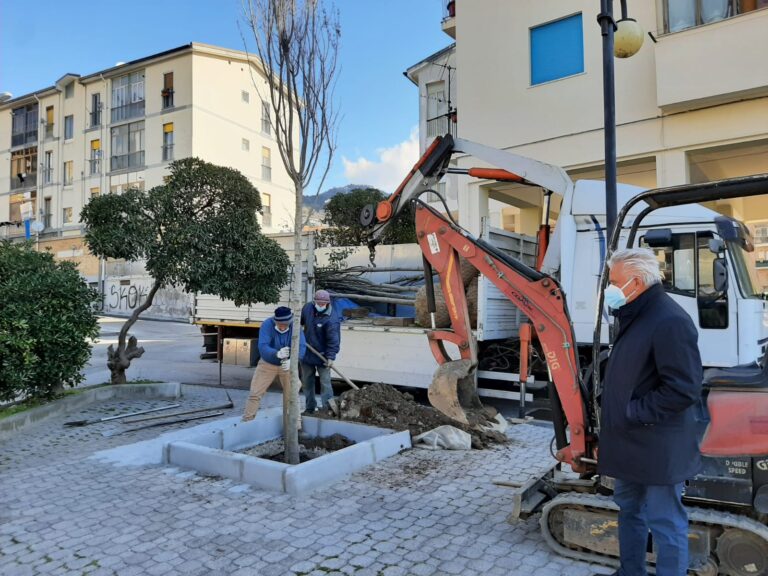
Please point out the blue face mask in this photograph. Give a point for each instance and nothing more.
(615, 297)
(321, 308)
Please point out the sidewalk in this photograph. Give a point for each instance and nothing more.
(419, 513)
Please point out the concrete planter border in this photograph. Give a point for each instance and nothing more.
(213, 453)
(162, 390)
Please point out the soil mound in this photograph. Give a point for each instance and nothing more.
(383, 405)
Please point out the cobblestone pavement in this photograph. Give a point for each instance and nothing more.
(418, 513)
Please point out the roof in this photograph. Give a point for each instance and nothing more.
(428, 60)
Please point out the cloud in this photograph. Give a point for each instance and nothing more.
(388, 170)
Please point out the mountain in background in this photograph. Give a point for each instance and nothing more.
(317, 202)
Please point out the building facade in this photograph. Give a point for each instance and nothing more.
(121, 127)
(691, 105)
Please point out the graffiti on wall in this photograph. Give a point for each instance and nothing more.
(122, 296)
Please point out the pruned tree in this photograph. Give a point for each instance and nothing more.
(297, 42)
(198, 231)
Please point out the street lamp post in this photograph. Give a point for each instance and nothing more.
(621, 39)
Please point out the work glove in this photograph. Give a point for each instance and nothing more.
(284, 353)
(328, 363)
(286, 365)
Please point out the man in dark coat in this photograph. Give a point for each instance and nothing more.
(322, 330)
(648, 436)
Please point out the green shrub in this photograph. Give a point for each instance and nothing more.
(46, 323)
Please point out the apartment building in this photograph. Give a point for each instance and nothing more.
(120, 127)
(691, 105)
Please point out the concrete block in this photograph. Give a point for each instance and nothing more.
(352, 430)
(210, 439)
(390, 444)
(310, 425)
(321, 471)
(206, 460)
(265, 473)
(245, 434)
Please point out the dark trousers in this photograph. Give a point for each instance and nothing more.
(660, 509)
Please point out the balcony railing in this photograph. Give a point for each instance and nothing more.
(438, 126)
(132, 160)
(95, 166)
(133, 110)
(167, 98)
(167, 152)
(95, 118)
(761, 264)
(266, 217)
(47, 175)
(266, 173)
(29, 181)
(21, 138)
(49, 130)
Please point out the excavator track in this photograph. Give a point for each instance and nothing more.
(584, 527)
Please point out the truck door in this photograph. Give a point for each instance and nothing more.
(689, 278)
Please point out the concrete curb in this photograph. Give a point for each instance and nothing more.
(13, 424)
(213, 453)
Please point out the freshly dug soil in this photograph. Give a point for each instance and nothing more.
(309, 448)
(384, 406)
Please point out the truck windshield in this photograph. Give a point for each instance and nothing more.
(745, 271)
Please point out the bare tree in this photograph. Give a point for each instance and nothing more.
(297, 42)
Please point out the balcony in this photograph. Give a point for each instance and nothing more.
(95, 118)
(94, 165)
(29, 181)
(167, 152)
(49, 131)
(448, 23)
(128, 111)
(761, 264)
(124, 161)
(21, 138)
(437, 126)
(734, 50)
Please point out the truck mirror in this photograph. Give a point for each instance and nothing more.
(658, 238)
(716, 246)
(720, 275)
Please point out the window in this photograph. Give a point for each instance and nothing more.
(557, 50)
(68, 171)
(683, 14)
(24, 168)
(266, 125)
(246, 145)
(48, 168)
(49, 122)
(245, 96)
(95, 160)
(266, 209)
(69, 90)
(22, 206)
(95, 191)
(24, 125)
(167, 92)
(95, 110)
(67, 215)
(168, 141)
(128, 96)
(127, 146)
(69, 127)
(761, 234)
(437, 110)
(47, 212)
(266, 164)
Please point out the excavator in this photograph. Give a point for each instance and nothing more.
(727, 501)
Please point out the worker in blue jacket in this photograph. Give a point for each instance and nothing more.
(648, 432)
(275, 350)
(322, 329)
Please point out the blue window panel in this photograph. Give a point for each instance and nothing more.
(557, 50)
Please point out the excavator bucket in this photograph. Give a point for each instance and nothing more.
(453, 390)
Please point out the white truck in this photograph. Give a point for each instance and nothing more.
(704, 256)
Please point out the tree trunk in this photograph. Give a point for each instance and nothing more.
(291, 417)
(118, 361)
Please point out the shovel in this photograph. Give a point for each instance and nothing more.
(108, 418)
(226, 406)
(324, 359)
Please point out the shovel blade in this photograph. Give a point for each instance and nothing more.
(444, 390)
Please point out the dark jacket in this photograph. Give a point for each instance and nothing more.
(652, 386)
(323, 332)
(270, 341)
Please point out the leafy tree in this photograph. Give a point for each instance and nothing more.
(198, 231)
(46, 323)
(342, 215)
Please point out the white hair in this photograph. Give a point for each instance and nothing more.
(639, 262)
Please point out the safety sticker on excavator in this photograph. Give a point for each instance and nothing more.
(434, 246)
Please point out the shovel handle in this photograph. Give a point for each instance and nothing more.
(324, 359)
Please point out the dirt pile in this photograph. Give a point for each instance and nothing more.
(384, 406)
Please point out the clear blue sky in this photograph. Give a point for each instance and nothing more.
(40, 40)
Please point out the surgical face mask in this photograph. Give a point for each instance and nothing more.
(320, 308)
(282, 330)
(615, 297)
